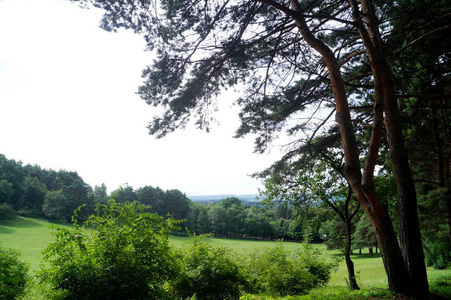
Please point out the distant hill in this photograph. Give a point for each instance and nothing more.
(246, 199)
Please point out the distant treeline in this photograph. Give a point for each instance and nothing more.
(32, 191)
(250, 199)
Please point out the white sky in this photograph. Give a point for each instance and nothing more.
(67, 101)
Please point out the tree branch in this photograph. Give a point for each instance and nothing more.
(422, 37)
(280, 7)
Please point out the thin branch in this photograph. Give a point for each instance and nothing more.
(446, 27)
(280, 7)
(352, 55)
(424, 96)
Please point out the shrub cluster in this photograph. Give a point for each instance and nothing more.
(7, 212)
(13, 274)
(125, 254)
(277, 271)
(207, 272)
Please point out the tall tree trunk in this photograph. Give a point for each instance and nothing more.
(397, 273)
(409, 228)
(349, 263)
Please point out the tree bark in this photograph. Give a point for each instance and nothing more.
(349, 263)
(397, 273)
(409, 226)
(409, 229)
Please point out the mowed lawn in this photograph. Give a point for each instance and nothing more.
(31, 236)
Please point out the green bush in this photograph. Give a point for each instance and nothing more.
(124, 254)
(276, 271)
(13, 274)
(7, 212)
(207, 272)
(437, 249)
(441, 286)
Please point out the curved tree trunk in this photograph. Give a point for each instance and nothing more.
(397, 272)
(409, 228)
(349, 263)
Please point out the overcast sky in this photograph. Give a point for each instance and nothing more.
(67, 101)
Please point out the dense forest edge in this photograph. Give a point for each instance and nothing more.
(31, 191)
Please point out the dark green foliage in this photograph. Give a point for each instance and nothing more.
(232, 218)
(436, 237)
(217, 216)
(229, 201)
(441, 286)
(172, 203)
(437, 250)
(149, 195)
(34, 197)
(54, 206)
(124, 255)
(176, 204)
(364, 234)
(277, 271)
(334, 233)
(207, 272)
(6, 191)
(27, 189)
(258, 223)
(124, 194)
(7, 212)
(198, 222)
(13, 274)
(423, 76)
(100, 194)
(11, 179)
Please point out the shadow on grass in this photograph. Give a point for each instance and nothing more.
(357, 256)
(365, 256)
(6, 230)
(10, 226)
(19, 222)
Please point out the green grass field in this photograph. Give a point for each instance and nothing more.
(30, 236)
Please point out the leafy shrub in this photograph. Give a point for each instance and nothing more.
(277, 271)
(13, 274)
(124, 254)
(207, 272)
(437, 250)
(441, 286)
(7, 212)
(30, 213)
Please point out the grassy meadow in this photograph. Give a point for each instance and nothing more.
(30, 236)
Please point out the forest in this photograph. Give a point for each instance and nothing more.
(31, 191)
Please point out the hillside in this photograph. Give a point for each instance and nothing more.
(246, 199)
